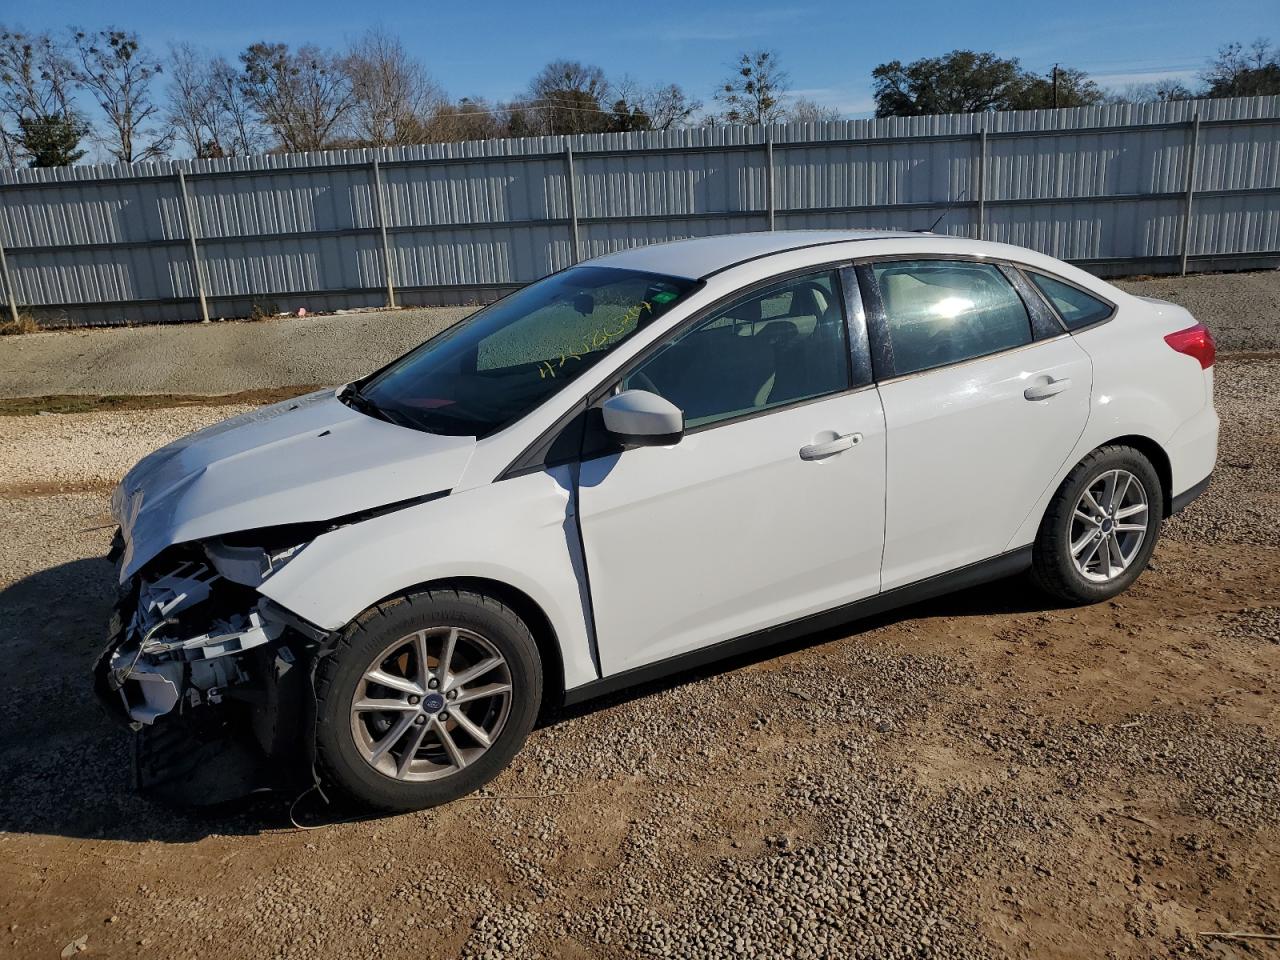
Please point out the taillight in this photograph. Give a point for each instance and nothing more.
(1195, 342)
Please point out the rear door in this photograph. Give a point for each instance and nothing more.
(770, 508)
(981, 407)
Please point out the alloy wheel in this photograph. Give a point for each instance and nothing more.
(1109, 525)
(431, 703)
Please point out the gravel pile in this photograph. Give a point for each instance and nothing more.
(79, 450)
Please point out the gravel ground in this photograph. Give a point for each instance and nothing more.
(91, 450)
(219, 358)
(214, 358)
(984, 775)
(1242, 309)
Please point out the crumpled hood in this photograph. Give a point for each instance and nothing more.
(309, 459)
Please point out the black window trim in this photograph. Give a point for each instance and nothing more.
(1029, 272)
(882, 347)
(529, 460)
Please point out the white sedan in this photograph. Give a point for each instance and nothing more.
(639, 464)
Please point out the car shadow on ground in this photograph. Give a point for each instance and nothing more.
(1012, 595)
(70, 766)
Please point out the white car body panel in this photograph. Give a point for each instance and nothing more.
(302, 460)
(720, 535)
(1142, 388)
(729, 531)
(969, 454)
(520, 533)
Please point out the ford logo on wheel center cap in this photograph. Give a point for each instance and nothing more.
(433, 703)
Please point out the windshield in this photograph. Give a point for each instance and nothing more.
(502, 362)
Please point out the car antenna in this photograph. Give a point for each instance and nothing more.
(943, 215)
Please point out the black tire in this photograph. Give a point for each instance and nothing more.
(339, 758)
(1052, 567)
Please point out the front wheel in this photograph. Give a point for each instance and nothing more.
(1101, 527)
(425, 699)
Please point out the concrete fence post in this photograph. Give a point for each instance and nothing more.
(197, 269)
(571, 201)
(770, 186)
(982, 182)
(1193, 148)
(380, 211)
(7, 280)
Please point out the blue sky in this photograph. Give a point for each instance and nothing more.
(829, 48)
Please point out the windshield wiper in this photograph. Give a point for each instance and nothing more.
(353, 398)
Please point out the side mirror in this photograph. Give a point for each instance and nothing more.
(638, 418)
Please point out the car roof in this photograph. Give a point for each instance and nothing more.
(697, 257)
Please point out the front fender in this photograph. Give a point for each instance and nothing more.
(521, 532)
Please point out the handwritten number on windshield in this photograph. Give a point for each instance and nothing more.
(595, 340)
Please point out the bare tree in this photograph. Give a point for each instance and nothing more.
(669, 107)
(191, 109)
(467, 119)
(754, 92)
(118, 72)
(636, 107)
(393, 95)
(1155, 91)
(1240, 71)
(40, 123)
(247, 134)
(207, 109)
(303, 96)
(806, 110)
(568, 97)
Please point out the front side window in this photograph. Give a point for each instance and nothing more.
(1076, 308)
(771, 348)
(502, 362)
(939, 312)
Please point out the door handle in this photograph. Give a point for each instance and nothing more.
(829, 448)
(1048, 388)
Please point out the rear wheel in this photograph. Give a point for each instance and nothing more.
(426, 699)
(1101, 527)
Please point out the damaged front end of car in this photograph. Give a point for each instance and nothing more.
(212, 676)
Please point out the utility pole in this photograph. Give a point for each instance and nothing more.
(1055, 86)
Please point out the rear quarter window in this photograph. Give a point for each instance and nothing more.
(1076, 308)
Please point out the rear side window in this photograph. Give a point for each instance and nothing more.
(939, 312)
(1077, 308)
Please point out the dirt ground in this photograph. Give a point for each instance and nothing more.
(983, 775)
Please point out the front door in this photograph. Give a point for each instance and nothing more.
(772, 505)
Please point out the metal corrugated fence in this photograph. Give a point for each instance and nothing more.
(1121, 188)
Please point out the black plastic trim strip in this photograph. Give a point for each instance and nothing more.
(882, 365)
(1183, 500)
(273, 611)
(1045, 322)
(984, 571)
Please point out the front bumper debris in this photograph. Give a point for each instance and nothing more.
(181, 641)
(211, 677)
